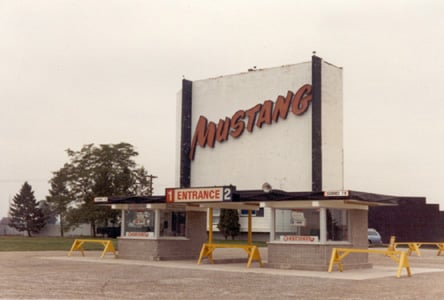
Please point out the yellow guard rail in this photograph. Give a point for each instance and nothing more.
(414, 247)
(252, 251)
(338, 254)
(208, 248)
(107, 245)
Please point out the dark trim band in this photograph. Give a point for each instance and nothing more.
(316, 135)
(185, 137)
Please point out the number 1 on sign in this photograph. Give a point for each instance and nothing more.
(170, 195)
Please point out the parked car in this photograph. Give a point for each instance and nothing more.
(109, 232)
(374, 238)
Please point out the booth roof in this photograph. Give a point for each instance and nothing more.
(274, 195)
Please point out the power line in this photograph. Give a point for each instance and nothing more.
(23, 180)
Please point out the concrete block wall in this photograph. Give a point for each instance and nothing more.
(359, 221)
(297, 256)
(317, 257)
(140, 249)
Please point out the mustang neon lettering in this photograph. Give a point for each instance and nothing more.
(207, 133)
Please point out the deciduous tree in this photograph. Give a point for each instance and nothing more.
(94, 171)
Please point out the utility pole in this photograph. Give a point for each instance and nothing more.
(150, 183)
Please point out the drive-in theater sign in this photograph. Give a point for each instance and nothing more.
(268, 142)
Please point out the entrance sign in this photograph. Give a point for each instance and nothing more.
(203, 194)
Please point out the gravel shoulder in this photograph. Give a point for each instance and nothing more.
(53, 275)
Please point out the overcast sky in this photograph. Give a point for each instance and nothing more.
(105, 71)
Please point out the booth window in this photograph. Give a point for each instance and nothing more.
(304, 225)
(297, 225)
(337, 225)
(216, 216)
(139, 223)
(172, 223)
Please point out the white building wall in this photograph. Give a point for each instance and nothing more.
(54, 230)
(332, 128)
(280, 153)
(49, 230)
(260, 224)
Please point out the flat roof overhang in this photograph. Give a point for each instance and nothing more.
(254, 199)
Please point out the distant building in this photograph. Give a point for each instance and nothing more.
(412, 220)
(6, 230)
(48, 230)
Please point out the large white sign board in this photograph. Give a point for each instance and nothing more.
(279, 153)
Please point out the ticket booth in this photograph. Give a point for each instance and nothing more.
(303, 227)
(151, 229)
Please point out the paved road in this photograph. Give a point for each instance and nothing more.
(53, 275)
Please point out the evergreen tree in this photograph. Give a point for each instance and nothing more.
(24, 212)
(229, 223)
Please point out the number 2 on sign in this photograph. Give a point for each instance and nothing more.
(227, 194)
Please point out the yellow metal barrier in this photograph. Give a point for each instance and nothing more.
(78, 246)
(338, 254)
(414, 247)
(252, 251)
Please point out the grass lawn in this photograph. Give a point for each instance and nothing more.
(21, 243)
(258, 244)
